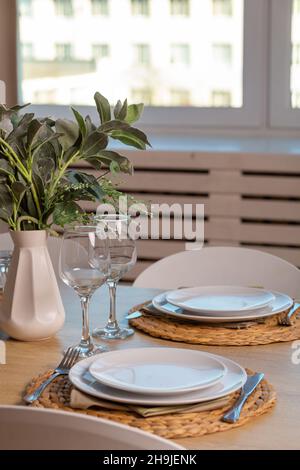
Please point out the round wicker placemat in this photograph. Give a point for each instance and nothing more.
(170, 426)
(199, 333)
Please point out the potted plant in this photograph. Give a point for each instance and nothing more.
(38, 189)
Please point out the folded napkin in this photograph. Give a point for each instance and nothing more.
(83, 401)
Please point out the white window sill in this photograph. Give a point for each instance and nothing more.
(255, 145)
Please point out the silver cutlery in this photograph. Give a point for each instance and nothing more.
(233, 415)
(286, 320)
(69, 359)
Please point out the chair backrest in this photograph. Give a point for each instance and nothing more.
(54, 243)
(222, 266)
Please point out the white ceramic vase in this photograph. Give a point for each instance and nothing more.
(31, 308)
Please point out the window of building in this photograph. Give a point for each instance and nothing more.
(100, 51)
(222, 7)
(296, 54)
(142, 54)
(25, 7)
(141, 95)
(221, 98)
(140, 7)
(27, 51)
(180, 54)
(100, 7)
(180, 97)
(180, 7)
(222, 54)
(63, 7)
(63, 52)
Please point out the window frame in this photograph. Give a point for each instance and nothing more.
(281, 113)
(251, 115)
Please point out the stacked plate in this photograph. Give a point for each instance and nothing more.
(215, 304)
(157, 376)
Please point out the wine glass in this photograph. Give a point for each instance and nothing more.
(122, 249)
(84, 266)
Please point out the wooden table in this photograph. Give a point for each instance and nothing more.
(279, 429)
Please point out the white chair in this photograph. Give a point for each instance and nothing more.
(54, 243)
(222, 266)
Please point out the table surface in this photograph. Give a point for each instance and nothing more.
(278, 429)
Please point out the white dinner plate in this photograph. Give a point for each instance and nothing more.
(25, 428)
(220, 299)
(233, 380)
(157, 371)
(279, 304)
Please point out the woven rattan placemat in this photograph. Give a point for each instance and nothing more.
(199, 333)
(171, 426)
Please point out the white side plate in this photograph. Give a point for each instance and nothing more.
(157, 371)
(220, 299)
(233, 380)
(280, 303)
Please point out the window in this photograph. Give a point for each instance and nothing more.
(285, 64)
(27, 51)
(296, 54)
(296, 100)
(180, 97)
(141, 95)
(25, 7)
(63, 52)
(140, 7)
(142, 54)
(180, 54)
(180, 7)
(295, 65)
(221, 98)
(63, 7)
(100, 7)
(176, 64)
(100, 51)
(222, 7)
(222, 54)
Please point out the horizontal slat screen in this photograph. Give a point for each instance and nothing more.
(250, 200)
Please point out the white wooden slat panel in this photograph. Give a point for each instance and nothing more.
(223, 205)
(217, 181)
(233, 229)
(207, 161)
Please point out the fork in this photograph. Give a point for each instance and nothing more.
(63, 368)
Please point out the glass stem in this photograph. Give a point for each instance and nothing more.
(85, 337)
(112, 320)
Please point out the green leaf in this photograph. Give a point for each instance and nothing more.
(6, 203)
(69, 131)
(131, 136)
(113, 126)
(134, 112)
(114, 167)
(5, 167)
(21, 128)
(103, 107)
(120, 110)
(66, 212)
(107, 156)
(94, 143)
(33, 130)
(80, 122)
(91, 184)
(90, 127)
(18, 190)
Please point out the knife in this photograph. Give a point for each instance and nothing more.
(232, 416)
